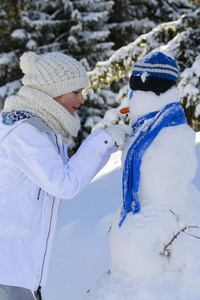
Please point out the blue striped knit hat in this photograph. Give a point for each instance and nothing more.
(155, 72)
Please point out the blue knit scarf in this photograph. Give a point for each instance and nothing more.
(144, 131)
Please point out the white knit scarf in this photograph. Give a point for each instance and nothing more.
(51, 112)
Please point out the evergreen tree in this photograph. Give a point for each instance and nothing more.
(89, 35)
(91, 31)
(75, 28)
(179, 39)
(10, 21)
(131, 18)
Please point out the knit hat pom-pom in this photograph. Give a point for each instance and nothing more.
(28, 61)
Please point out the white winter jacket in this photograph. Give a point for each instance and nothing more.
(35, 173)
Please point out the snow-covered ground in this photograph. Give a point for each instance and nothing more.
(81, 247)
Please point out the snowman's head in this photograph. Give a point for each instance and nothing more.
(152, 85)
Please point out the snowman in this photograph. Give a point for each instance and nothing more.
(154, 238)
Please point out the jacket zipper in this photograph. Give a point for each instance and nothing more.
(38, 197)
(48, 235)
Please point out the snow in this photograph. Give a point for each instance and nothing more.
(81, 251)
(155, 253)
(109, 119)
(189, 85)
(135, 261)
(94, 16)
(31, 45)
(81, 246)
(144, 76)
(7, 58)
(10, 88)
(95, 35)
(151, 101)
(19, 34)
(197, 138)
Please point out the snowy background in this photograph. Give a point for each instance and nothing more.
(107, 37)
(81, 247)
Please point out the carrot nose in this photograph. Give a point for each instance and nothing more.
(125, 110)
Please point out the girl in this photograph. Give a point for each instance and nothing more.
(36, 172)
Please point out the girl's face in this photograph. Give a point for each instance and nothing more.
(71, 101)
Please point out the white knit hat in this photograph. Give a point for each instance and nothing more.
(53, 73)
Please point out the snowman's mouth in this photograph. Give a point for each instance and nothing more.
(125, 110)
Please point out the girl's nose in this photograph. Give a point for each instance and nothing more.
(81, 99)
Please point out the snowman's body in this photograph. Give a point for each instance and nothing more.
(168, 203)
(166, 171)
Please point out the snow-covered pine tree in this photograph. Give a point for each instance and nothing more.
(47, 24)
(89, 31)
(24, 26)
(179, 39)
(75, 28)
(189, 86)
(195, 2)
(131, 18)
(89, 35)
(9, 22)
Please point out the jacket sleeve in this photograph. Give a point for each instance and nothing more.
(34, 154)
